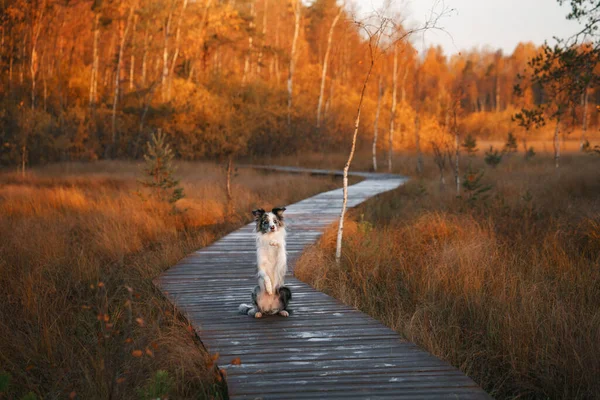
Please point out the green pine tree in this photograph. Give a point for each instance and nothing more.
(493, 157)
(470, 145)
(511, 143)
(474, 188)
(159, 170)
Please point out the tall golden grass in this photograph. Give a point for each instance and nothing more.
(79, 314)
(506, 289)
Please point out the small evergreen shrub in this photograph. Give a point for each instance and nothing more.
(159, 170)
(530, 153)
(473, 187)
(493, 157)
(470, 145)
(511, 144)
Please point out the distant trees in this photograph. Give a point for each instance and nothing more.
(83, 80)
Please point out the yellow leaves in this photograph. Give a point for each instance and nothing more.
(129, 340)
(236, 361)
(72, 395)
(140, 321)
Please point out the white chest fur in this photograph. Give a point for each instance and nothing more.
(271, 255)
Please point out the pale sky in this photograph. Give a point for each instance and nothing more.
(478, 23)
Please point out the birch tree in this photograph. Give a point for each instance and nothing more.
(374, 38)
(290, 82)
(176, 51)
(374, 35)
(326, 62)
(376, 123)
(118, 75)
(250, 43)
(393, 108)
(263, 36)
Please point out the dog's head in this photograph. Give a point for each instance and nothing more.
(268, 221)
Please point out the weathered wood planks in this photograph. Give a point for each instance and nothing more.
(324, 349)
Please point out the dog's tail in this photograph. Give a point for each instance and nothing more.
(244, 308)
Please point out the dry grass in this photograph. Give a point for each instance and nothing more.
(507, 289)
(79, 313)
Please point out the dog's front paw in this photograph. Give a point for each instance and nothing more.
(284, 313)
(258, 314)
(274, 243)
(269, 287)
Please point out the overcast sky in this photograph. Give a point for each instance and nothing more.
(477, 23)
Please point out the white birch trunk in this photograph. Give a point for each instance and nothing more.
(393, 109)
(340, 233)
(376, 124)
(176, 52)
(290, 82)
(250, 45)
(132, 58)
(94, 77)
(145, 59)
(118, 76)
(165, 71)
(325, 64)
(264, 38)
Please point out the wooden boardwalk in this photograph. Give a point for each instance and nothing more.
(324, 350)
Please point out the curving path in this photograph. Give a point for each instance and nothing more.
(324, 349)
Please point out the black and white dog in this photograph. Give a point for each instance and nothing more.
(270, 296)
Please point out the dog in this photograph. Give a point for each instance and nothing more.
(270, 296)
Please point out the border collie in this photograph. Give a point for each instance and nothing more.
(270, 296)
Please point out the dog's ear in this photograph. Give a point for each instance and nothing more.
(278, 211)
(258, 213)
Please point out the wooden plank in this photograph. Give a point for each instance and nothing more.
(325, 349)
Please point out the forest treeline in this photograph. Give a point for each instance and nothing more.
(83, 80)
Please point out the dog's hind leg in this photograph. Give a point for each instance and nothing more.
(285, 296)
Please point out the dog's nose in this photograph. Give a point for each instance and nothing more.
(273, 228)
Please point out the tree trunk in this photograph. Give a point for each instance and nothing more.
(456, 165)
(276, 58)
(376, 124)
(228, 185)
(23, 159)
(584, 122)
(118, 77)
(497, 90)
(325, 63)
(176, 53)
(250, 44)
(132, 59)
(165, 71)
(290, 82)
(264, 38)
(340, 233)
(393, 109)
(95, 60)
(557, 143)
(144, 58)
(418, 144)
